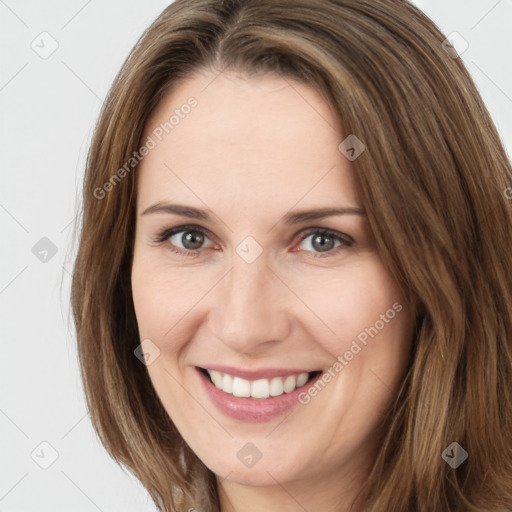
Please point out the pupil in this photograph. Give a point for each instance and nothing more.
(322, 246)
(193, 238)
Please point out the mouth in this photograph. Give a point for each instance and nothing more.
(255, 396)
(261, 388)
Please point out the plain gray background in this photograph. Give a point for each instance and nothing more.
(48, 107)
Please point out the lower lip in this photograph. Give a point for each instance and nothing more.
(253, 409)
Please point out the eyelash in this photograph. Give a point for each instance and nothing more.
(345, 240)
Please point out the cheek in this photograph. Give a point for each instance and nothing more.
(162, 297)
(348, 303)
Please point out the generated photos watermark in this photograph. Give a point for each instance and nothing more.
(152, 141)
(343, 360)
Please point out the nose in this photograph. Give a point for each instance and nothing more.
(251, 307)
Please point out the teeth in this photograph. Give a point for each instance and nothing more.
(227, 383)
(302, 379)
(276, 386)
(289, 384)
(217, 379)
(262, 388)
(241, 387)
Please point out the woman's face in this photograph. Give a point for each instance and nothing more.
(248, 285)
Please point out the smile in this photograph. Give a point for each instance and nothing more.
(255, 396)
(261, 388)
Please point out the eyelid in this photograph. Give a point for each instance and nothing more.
(166, 233)
(346, 240)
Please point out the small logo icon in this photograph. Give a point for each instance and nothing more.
(44, 45)
(249, 455)
(44, 455)
(44, 250)
(455, 45)
(454, 455)
(351, 147)
(147, 352)
(249, 249)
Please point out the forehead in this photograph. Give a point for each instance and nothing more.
(252, 139)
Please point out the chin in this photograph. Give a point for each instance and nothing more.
(261, 474)
(261, 477)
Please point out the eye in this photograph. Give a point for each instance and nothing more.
(325, 242)
(191, 239)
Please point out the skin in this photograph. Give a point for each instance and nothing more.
(251, 151)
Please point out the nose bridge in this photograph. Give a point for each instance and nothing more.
(249, 312)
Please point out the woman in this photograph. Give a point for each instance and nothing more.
(292, 289)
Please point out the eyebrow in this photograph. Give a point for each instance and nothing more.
(289, 218)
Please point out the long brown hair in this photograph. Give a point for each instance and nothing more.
(432, 181)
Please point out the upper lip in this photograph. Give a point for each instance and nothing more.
(264, 373)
